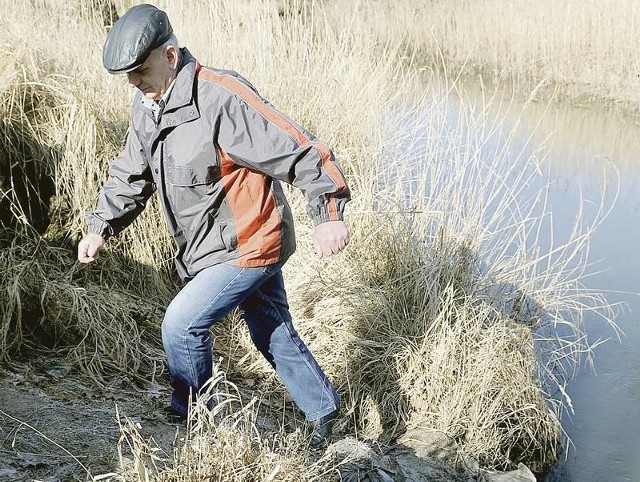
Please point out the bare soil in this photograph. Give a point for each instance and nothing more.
(56, 424)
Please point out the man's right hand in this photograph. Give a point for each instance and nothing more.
(89, 247)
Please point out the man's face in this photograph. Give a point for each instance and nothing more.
(154, 76)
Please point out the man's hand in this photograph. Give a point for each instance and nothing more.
(330, 238)
(89, 247)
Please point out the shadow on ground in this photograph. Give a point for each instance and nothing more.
(56, 424)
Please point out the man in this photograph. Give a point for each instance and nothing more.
(216, 152)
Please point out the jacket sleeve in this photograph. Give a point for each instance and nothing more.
(256, 135)
(125, 193)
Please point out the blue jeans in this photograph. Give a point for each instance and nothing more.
(261, 295)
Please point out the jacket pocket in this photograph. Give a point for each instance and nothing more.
(228, 236)
(190, 197)
(186, 176)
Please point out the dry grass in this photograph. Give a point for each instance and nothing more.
(566, 50)
(49, 302)
(222, 443)
(444, 311)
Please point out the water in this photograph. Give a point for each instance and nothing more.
(605, 425)
(592, 158)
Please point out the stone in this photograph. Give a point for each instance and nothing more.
(522, 474)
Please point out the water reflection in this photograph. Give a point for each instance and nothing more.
(581, 141)
(595, 155)
(590, 157)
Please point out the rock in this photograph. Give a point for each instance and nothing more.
(420, 455)
(430, 444)
(427, 454)
(351, 448)
(523, 474)
(363, 464)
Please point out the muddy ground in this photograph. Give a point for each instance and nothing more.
(56, 424)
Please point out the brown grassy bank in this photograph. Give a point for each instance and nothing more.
(583, 53)
(444, 311)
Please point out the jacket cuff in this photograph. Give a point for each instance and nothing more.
(324, 217)
(98, 226)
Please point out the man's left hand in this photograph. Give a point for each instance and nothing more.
(330, 238)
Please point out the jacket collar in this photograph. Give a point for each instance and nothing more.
(181, 106)
(182, 93)
(182, 87)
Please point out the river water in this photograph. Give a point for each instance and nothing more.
(588, 150)
(591, 158)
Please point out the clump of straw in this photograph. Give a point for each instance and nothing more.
(222, 442)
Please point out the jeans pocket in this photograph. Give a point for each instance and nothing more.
(272, 269)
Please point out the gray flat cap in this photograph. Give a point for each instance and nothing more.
(132, 38)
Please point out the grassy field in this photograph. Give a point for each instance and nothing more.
(584, 53)
(444, 312)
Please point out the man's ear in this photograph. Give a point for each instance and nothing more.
(171, 54)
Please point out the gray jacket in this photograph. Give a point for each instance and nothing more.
(216, 158)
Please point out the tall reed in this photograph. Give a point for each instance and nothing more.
(567, 50)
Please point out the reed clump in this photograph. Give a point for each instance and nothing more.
(442, 312)
(222, 442)
(49, 302)
(58, 135)
(413, 343)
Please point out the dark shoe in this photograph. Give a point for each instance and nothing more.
(173, 416)
(322, 429)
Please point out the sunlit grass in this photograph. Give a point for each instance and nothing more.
(582, 52)
(222, 442)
